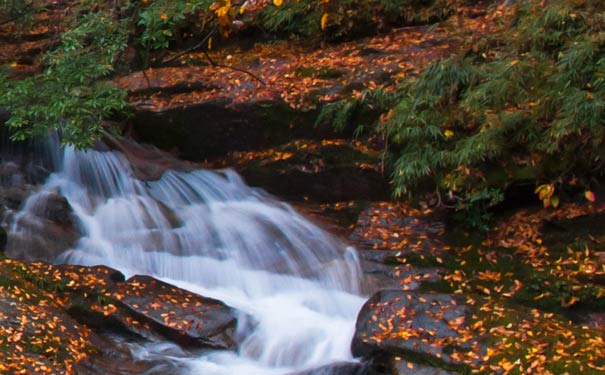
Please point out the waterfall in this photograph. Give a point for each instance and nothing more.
(208, 232)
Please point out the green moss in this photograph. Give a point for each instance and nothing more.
(441, 286)
(322, 73)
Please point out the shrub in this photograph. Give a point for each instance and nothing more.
(335, 20)
(527, 107)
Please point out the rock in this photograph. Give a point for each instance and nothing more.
(314, 171)
(146, 307)
(341, 368)
(382, 273)
(213, 128)
(114, 357)
(333, 184)
(138, 307)
(408, 324)
(45, 229)
(403, 367)
(394, 226)
(147, 162)
(181, 316)
(36, 330)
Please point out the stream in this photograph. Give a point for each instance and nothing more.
(296, 286)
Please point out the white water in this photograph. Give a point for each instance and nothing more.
(210, 233)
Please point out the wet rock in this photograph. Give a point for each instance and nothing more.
(403, 367)
(383, 272)
(115, 356)
(181, 316)
(213, 128)
(341, 368)
(308, 170)
(408, 324)
(146, 307)
(36, 330)
(46, 229)
(333, 184)
(391, 226)
(147, 162)
(140, 307)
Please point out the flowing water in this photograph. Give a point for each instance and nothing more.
(208, 232)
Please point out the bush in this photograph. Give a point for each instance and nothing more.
(70, 93)
(529, 105)
(334, 20)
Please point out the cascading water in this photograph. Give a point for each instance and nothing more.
(208, 232)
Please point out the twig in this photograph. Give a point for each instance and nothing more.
(234, 68)
(188, 50)
(440, 202)
(146, 78)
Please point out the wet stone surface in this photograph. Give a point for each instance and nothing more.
(397, 323)
(403, 367)
(58, 317)
(184, 317)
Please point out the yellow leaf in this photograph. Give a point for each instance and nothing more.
(554, 201)
(278, 3)
(448, 133)
(324, 21)
(210, 43)
(589, 195)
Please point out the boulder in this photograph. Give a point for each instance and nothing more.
(416, 326)
(147, 162)
(140, 307)
(186, 318)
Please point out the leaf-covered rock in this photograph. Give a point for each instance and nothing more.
(420, 327)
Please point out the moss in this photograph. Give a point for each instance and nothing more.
(322, 73)
(441, 286)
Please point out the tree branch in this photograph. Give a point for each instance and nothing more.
(214, 64)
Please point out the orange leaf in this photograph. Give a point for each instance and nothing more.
(278, 3)
(324, 21)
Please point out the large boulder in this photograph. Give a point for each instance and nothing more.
(147, 308)
(183, 317)
(420, 327)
